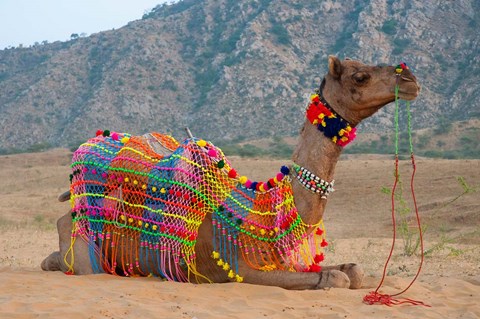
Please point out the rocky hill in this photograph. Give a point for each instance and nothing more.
(234, 69)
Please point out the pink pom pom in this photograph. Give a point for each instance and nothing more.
(280, 177)
(114, 136)
(104, 175)
(248, 183)
(212, 152)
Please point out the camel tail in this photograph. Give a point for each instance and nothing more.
(64, 197)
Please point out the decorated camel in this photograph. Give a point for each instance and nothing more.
(150, 206)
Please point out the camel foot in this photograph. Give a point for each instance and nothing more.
(354, 272)
(51, 263)
(333, 279)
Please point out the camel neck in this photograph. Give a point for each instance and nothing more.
(319, 155)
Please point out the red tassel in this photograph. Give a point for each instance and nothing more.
(315, 268)
(318, 258)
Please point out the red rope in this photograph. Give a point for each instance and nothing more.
(374, 297)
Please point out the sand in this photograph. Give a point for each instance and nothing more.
(358, 226)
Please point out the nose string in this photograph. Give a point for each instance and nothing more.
(375, 297)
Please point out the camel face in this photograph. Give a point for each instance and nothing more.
(357, 91)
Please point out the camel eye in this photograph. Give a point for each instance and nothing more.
(361, 77)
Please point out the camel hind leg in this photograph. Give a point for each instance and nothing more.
(81, 259)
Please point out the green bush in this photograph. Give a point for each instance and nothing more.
(389, 27)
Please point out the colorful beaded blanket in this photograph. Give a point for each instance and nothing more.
(139, 202)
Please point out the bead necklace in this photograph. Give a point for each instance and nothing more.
(312, 182)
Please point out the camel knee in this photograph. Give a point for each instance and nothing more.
(332, 279)
(52, 262)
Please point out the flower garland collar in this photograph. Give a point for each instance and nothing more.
(331, 124)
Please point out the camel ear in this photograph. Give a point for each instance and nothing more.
(334, 67)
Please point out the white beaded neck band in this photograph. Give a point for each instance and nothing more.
(312, 182)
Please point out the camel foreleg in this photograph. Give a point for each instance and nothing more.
(296, 280)
(78, 257)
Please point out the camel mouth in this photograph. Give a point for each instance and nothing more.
(408, 95)
(410, 90)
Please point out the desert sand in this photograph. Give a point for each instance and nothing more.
(359, 229)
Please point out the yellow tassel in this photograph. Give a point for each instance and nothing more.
(231, 274)
(238, 278)
(348, 128)
(334, 139)
(324, 124)
(262, 231)
(220, 262)
(226, 266)
(341, 132)
(215, 255)
(344, 139)
(321, 116)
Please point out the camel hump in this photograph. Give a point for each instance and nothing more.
(64, 197)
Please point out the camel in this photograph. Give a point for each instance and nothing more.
(223, 240)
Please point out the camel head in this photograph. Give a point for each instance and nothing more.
(356, 91)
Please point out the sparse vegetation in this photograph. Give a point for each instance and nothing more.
(389, 27)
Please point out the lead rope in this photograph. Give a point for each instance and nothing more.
(374, 297)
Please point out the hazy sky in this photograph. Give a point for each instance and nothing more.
(27, 21)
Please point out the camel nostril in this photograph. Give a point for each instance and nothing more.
(407, 79)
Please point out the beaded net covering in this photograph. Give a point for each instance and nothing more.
(139, 202)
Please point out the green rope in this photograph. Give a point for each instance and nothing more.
(409, 125)
(396, 120)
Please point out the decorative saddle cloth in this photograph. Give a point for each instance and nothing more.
(139, 202)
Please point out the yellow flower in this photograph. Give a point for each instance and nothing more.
(201, 143)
